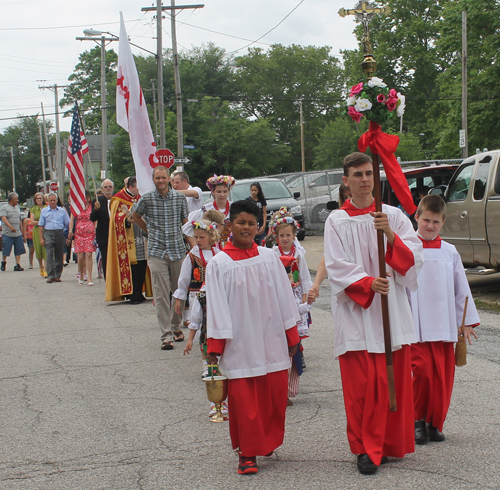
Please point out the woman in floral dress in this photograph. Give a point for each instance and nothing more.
(84, 237)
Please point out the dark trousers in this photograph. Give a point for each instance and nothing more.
(54, 244)
(103, 247)
(138, 278)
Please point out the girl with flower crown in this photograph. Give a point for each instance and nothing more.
(191, 280)
(192, 274)
(284, 228)
(219, 185)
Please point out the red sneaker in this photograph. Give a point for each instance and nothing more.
(247, 466)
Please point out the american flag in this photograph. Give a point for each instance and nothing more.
(77, 147)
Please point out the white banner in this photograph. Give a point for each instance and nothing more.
(132, 114)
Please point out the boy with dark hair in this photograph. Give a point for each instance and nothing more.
(251, 325)
(353, 271)
(438, 308)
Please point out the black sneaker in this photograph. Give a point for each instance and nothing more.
(17, 267)
(2, 267)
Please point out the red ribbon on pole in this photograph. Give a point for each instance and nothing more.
(385, 145)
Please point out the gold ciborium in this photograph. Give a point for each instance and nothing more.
(217, 393)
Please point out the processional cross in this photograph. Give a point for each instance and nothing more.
(364, 12)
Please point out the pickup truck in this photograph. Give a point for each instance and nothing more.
(473, 217)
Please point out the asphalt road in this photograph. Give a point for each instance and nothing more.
(89, 401)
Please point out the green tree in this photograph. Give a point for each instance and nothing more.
(337, 139)
(23, 137)
(85, 87)
(270, 84)
(483, 28)
(229, 143)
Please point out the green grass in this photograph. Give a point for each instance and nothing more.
(484, 305)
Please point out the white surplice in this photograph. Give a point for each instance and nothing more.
(250, 304)
(438, 303)
(350, 255)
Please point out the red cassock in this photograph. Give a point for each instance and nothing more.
(433, 365)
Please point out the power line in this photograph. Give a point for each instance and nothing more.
(61, 27)
(270, 30)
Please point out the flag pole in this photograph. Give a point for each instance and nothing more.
(82, 124)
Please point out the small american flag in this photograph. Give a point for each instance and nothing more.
(77, 147)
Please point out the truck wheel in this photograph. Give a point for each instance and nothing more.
(301, 235)
(319, 213)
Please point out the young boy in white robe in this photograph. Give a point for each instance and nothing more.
(351, 261)
(251, 325)
(438, 307)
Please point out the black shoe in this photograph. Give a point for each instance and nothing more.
(365, 465)
(435, 434)
(2, 267)
(17, 267)
(421, 436)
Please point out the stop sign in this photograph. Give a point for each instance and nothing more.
(53, 186)
(166, 157)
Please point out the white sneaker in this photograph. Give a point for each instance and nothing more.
(78, 275)
(204, 374)
(85, 277)
(224, 409)
(213, 410)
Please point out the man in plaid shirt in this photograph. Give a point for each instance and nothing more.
(165, 211)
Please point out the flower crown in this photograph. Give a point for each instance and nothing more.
(197, 225)
(227, 180)
(375, 101)
(283, 218)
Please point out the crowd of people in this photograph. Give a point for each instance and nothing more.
(242, 286)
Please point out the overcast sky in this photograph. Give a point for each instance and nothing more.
(38, 45)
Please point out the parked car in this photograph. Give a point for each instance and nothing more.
(473, 214)
(207, 196)
(277, 195)
(315, 208)
(315, 184)
(424, 176)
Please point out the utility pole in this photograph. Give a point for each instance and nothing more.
(59, 163)
(302, 152)
(13, 171)
(104, 107)
(154, 110)
(465, 149)
(161, 109)
(50, 160)
(177, 78)
(43, 160)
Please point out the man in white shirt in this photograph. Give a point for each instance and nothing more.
(180, 182)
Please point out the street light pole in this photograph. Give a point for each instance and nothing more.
(159, 51)
(104, 110)
(13, 171)
(302, 152)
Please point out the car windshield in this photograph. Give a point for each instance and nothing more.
(272, 189)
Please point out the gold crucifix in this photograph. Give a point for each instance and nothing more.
(364, 12)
